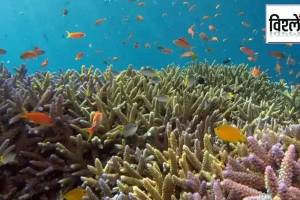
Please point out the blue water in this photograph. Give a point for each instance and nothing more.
(29, 23)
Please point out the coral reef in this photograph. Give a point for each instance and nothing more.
(156, 139)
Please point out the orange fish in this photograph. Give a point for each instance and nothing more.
(229, 133)
(97, 120)
(45, 63)
(32, 54)
(182, 42)
(256, 72)
(165, 50)
(249, 52)
(191, 30)
(2, 51)
(277, 54)
(74, 194)
(75, 35)
(79, 55)
(189, 54)
(100, 21)
(38, 118)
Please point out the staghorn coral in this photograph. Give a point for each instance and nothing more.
(173, 147)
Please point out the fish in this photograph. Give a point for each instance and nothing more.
(208, 50)
(45, 63)
(191, 80)
(75, 194)
(100, 21)
(32, 53)
(165, 50)
(241, 13)
(192, 7)
(38, 118)
(136, 45)
(79, 55)
(229, 95)
(205, 17)
(218, 6)
(247, 51)
(129, 37)
(115, 58)
(212, 27)
(164, 14)
(217, 14)
(203, 36)
(141, 4)
(246, 24)
(227, 61)
(2, 51)
(97, 120)
(252, 58)
(277, 54)
(140, 18)
(75, 35)
(278, 68)
(229, 133)
(155, 80)
(147, 45)
(256, 72)
(214, 39)
(130, 129)
(182, 42)
(290, 61)
(189, 54)
(65, 12)
(191, 30)
(148, 72)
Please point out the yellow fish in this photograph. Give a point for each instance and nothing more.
(75, 194)
(229, 133)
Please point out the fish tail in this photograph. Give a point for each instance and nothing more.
(68, 34)
(90, 131)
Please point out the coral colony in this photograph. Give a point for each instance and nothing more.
(146, 134)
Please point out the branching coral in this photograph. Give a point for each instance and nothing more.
(156, 139)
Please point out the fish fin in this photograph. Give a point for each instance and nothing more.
(90, 131)
(68, 34)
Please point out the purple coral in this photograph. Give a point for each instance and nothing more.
(287, 166)
(271, 180)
